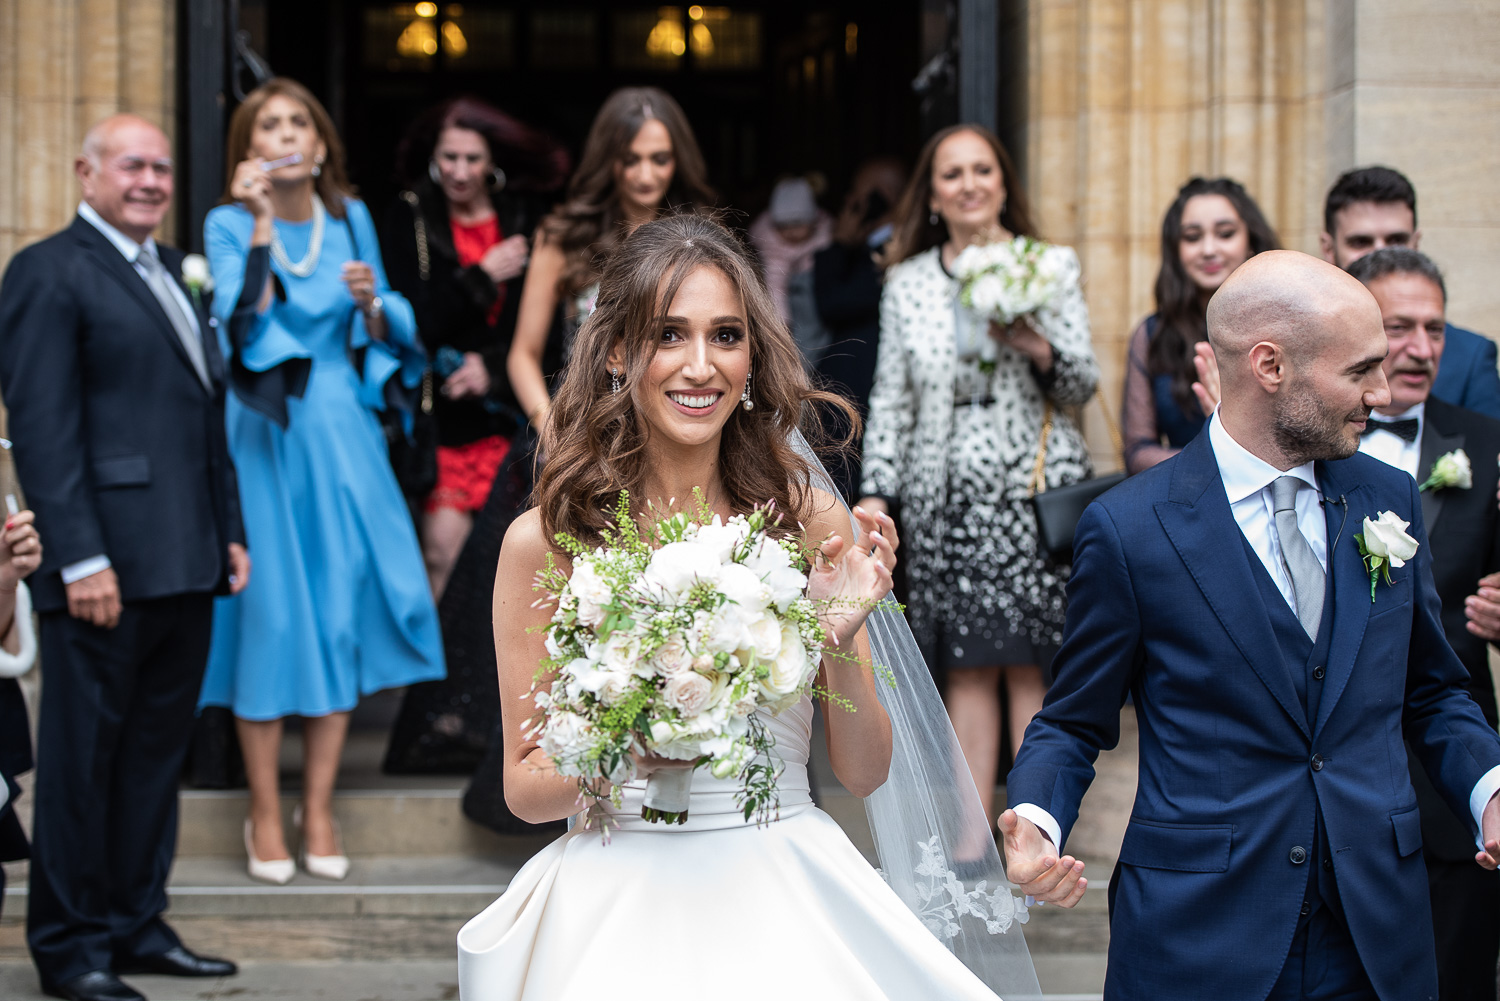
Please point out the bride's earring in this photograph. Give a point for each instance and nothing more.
(614, 380)
(932, 218)
(745, 400)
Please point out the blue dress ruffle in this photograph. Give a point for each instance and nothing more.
(338, 604)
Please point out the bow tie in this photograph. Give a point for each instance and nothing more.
(1406, 429)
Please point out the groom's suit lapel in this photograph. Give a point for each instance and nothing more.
(1346, 503)
(1201, 527)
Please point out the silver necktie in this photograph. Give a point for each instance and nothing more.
(1309, 581)
(187, 331)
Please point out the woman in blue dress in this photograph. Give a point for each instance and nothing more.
(1211, 228)
(317, 342)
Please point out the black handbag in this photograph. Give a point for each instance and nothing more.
(414, 454)
(1059, 508)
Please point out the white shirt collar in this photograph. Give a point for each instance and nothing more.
(127, 247)
(1245, 474)
(1417, 411)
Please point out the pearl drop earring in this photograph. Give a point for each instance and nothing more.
(745, 400)
(932, 218)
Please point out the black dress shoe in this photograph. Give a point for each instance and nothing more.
(100, 985)
(178, 962)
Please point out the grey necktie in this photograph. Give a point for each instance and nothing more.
(1308, 578)
(160, 284)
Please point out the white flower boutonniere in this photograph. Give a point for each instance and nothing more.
(1450, 470)
(196, 276)
(1385, 544)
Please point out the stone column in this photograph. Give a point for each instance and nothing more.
(64, 64)
(1127, 99)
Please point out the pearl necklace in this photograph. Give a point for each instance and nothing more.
(309, 262)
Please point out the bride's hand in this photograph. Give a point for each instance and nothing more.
(646, 763)
(852, 580)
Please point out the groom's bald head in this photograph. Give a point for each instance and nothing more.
(1299, 345)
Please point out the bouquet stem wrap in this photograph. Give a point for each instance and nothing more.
(667, 795)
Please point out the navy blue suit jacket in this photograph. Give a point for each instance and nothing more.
(1163, 605)
(120, 447)
(1467, 376)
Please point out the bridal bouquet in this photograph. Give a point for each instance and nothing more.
(669, 641)
(1004, 281)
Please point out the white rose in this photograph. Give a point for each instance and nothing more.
(744, 587)
(1452, 470)
(677, 566)
(721, 539)
(1386, 537)
(765, 637)
(687, 693)
(672, 657)
(195, 273)
(614, 686)
(592, 593)
(790, 667)
(565, 734)
(675, 742)
(724, 631)
(622, 652)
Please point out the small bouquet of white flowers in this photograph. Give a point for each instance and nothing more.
(669, 641)
(1003, 282)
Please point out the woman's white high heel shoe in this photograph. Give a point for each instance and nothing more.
(277, 872)
(334, 867)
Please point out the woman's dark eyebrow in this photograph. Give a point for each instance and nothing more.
(716, 321)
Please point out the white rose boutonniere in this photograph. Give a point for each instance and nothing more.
(196, 276)
(1450, 470)
(1385, 544)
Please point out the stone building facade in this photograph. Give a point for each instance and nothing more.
(1112, 103)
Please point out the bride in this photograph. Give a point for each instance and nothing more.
(685, 378)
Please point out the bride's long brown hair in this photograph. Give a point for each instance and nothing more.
(595, 439)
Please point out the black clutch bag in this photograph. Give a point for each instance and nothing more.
(1058, 509)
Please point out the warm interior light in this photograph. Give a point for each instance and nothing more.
(695, 12)
(454, 42)
(418, 40)
(703, 40)
(427, 10)
(851, 38)
(666, 40)
(455, 10)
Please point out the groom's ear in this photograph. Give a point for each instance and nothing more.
(1268, 365)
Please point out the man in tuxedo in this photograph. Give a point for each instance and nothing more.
(1274, 847)
(1463, 529)
(1375, 207)
(115, 388)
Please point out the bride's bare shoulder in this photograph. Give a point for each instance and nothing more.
(526, 543)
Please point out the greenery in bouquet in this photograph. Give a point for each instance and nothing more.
(672, 639)
(1006, 280)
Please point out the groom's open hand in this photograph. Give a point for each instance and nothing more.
(1490, 857)
(1032, 864)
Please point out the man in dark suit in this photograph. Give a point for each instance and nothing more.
(1463, 528)
(115, 388)
(1375, 207)
(1274, 847)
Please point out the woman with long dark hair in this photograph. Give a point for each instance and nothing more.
(1212, 227)
(686, 379)
(457, 242)
(316, 343)
(639, 160)
(956, 441)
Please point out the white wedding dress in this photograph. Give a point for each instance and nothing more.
(717, 907)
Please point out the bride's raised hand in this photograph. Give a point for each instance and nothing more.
(851, 580)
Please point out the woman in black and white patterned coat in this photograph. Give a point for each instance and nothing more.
(957, 445)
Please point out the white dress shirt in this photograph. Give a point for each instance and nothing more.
(131, 251)
(1247, 482)
(1392, 449)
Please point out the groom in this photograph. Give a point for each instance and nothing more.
(1274, 850)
